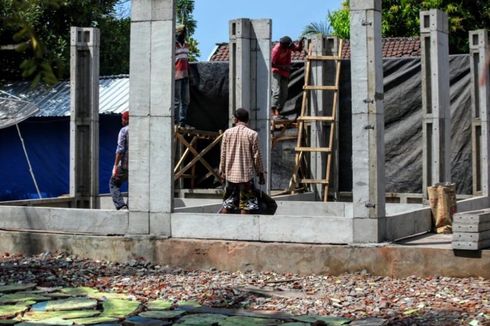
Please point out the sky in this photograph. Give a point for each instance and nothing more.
(289, 17)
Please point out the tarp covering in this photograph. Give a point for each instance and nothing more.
(48, 143)
(403, 123)
(47, 139)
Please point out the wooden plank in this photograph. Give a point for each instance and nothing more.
(198, 157)
(313, 149)
(323, 57)
(320, 88)
(313, 118)
(317, 181)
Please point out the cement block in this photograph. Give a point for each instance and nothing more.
(433, 20)
(64, 220)
(160, 224)
(471, 204)
(473, 236)
(139, 69)
(369, 230)
(365, 5)
(161, 165)
(471, 228)
(407, 224)
(305, 229)
(261, 29)
(240, 28)
(139, 222)
(139, 163)
(215, 226)
(472, 217)
(146, 10)
(162, 69)
(478, 39)
(470, 245)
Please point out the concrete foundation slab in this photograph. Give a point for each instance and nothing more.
(424, 257)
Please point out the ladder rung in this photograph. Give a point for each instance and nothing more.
(320, 88)
(319, 181)
(313, 118)
(323, 57)
(313, 149)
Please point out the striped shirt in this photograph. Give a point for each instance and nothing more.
(181, 61)
(240, 154)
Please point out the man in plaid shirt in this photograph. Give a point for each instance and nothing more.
(240, 162)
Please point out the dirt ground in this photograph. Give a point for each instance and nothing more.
(407, 301)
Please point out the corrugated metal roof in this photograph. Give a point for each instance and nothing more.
(55, 101)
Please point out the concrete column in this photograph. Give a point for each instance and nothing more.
(250, 71)
(322, 104)
(151, 98)
(368, 157)
(436, 129)
(84, 116)
(480, 106)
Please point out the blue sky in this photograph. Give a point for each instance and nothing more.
(289, 17)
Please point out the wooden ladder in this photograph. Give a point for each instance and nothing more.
(302, 145)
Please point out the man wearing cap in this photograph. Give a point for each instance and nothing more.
(281, 67)
(240, 162)
(182, 94)
(120, 168)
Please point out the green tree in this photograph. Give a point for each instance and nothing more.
(401, 18)
(317, 28)
(340, 21)
(35, 37)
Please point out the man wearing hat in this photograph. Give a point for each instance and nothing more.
(120, 168)
(240, 162)
(281, 67)
(182, 94)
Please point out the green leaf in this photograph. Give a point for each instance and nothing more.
(17, 287)
(119, 308)
(65, 304)
(247, 321)
(41, 315)
(10, 311)
(159, 305)
(201, 320)
(21, 297)
(330, 321)
(168, 314)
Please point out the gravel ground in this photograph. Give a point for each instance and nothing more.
(406, 301)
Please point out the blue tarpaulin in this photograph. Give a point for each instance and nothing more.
(47, 142)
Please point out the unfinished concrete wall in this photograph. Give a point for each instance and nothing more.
(368, 184)
(480, 106)
(151, 99)
(436, 112)
(250, 75)
(84, 116)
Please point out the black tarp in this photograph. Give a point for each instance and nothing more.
(403, 120)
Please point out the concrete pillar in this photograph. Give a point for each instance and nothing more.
(250, 71)
(151, 98)
(480, 106)
(368, 157)
(84, 116)
(321, 104)
(436, 129)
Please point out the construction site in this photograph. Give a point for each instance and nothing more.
(349, 170)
